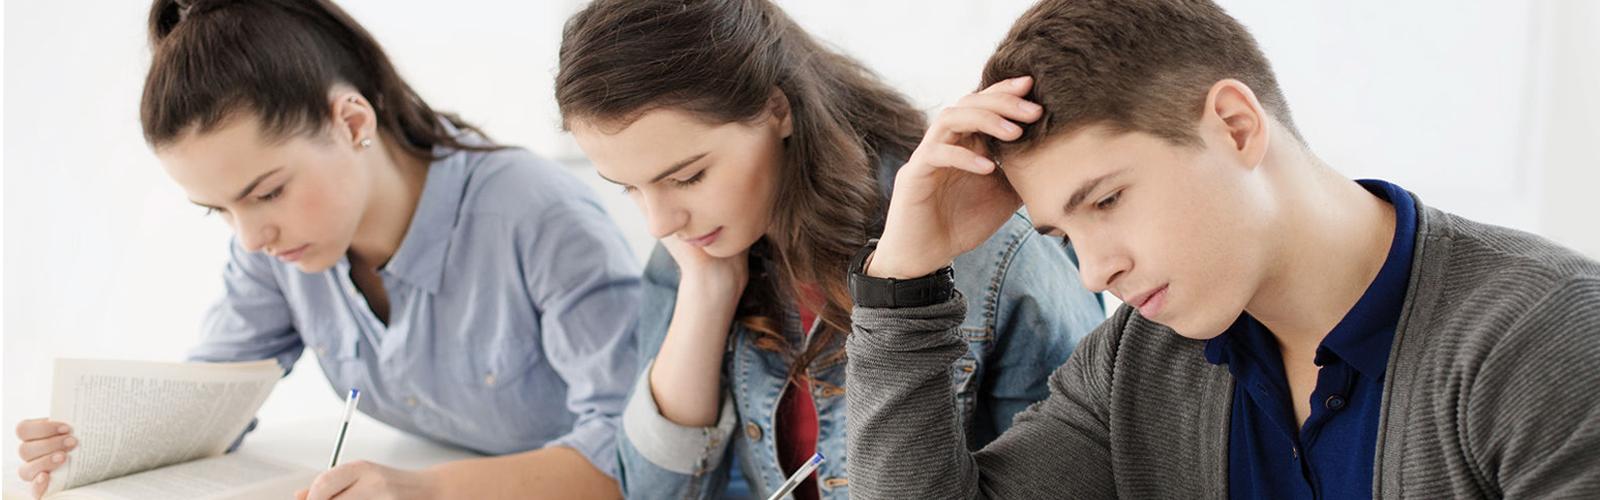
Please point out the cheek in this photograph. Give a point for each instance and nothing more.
(320, 208)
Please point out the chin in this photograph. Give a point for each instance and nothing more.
(314, 265)
(726, 247)
(1202, 328)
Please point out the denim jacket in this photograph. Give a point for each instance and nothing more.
(1026, 311)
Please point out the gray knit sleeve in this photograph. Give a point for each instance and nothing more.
(905, 441)
(1532, 410)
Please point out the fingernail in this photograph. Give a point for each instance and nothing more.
(983, 163)
(69, 442)
(1012, 127)
(1019, 81)
(58, 458)
(63, 429)
(1029, 106)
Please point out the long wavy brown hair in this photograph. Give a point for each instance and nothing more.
(720, 60)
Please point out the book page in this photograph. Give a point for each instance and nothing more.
(238, 476)
(133, 416)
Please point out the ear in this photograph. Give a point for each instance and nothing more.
(778, 106)
(1234, 118)
(355, 123)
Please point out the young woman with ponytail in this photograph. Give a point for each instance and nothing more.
(478, 295)
(762, 161)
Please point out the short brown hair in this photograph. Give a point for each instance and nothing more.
(1132, 65)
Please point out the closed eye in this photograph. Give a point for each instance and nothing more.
(271, 195)
(692, 180)
(1108, 202)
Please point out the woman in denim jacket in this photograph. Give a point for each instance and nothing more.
(762, 161)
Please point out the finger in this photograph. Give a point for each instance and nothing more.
(955, 123)
(957, 157)
(30, 450)
(32, 468)
(301, 495)
(363, 488)
(1011, 107)
(40, 428)
(335, 480)
(1017, 86)
(39, 484)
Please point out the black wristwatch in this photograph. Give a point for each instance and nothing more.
(868, 291)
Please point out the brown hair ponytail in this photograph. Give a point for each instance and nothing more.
(276, 59)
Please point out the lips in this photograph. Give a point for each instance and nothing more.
(706, 240)
(293, 254)
(1150, 302)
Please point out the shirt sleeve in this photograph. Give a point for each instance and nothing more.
(252, 320)
(585, 282)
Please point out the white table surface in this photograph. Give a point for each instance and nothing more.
(309, 443)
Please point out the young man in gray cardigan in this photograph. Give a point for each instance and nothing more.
(1287, 333)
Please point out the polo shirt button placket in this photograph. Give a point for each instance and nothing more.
(1334, 402)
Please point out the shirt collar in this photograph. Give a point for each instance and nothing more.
(420, 259)
(1366, 334)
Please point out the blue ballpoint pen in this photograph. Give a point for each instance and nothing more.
(798, 477)
(349, 409)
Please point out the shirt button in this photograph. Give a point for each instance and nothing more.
(1334, 402)
(1295, 451)
(489, 380)
(410, 401)
(752, 431)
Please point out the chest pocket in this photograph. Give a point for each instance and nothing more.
(336, 343)
(488, 357)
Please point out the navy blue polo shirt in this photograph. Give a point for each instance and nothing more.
(1331, 455)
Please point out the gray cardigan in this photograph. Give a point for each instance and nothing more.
(1493, 390)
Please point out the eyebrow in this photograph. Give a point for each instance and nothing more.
(247, 189)
(1078, 197)
(675, 168)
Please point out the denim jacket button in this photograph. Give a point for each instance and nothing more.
(752, 431)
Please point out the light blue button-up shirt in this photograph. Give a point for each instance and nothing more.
(513, 300)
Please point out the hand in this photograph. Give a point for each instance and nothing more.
(362, 479)
(721, 278)
(945, 201)
(44, 448)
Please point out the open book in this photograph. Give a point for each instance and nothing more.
(159, 430)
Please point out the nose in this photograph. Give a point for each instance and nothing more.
(254, 233)
(662, 216)
(1100, 268)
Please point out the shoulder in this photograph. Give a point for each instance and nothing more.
(517, 184)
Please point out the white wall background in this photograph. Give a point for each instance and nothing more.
(1486, 109)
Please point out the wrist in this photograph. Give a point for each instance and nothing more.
(432, 481)
(888, 261)
(711, 287)
(925, 289)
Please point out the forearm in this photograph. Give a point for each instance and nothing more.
(685, 379)
(555, 472)
(906, 442)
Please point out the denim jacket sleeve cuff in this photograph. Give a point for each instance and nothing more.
(680, 449)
